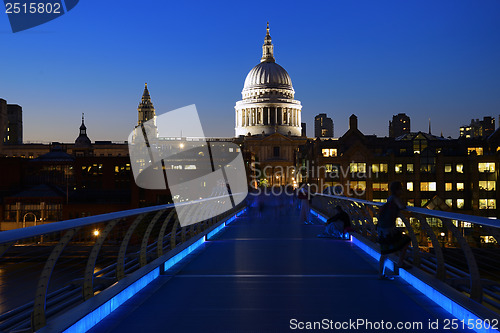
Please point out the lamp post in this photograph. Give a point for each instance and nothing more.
(24, 218)
(443, 239)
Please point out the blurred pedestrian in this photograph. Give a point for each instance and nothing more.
(392, 239)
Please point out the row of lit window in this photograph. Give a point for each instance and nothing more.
(486, 185)
(483, 167)
(95, 169)
(185, 167)
(330, 152)
(122, 168)
(459, 203)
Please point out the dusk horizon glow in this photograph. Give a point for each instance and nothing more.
(425, 59)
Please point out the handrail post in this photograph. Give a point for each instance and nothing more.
(38, 319)
(438, 251)
(88, 279)
(476, 289)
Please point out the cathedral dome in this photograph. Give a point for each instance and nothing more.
(268, 104)
(268, 75)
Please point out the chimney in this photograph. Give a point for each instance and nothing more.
(353, 122)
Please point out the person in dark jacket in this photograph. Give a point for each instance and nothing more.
(304, 196)
(337, 224)
(391, 239)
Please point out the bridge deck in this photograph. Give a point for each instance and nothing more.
(258, 274)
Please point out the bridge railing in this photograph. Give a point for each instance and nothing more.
(46, 270)
(460, 250)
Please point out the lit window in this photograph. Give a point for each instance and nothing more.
(487, 185)
(409, 186)
(460, 186)
(409, 168)
(449, 202)
(329, 152)
(379, 168)
(487, 204)
(358, 185)
(398, 168)
(486, 167)
(423, 202)
(448, 186)
(466, 224)
(427, 167)
(447, 168)
(382, 187)
(460, 168)
(460, 203)
(357, 167)
(488, 239)
(428, 186)
(477, 150)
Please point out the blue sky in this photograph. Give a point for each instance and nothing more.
(437, 59)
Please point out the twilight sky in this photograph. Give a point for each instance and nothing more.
(437, 59)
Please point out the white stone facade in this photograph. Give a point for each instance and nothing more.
(268, 105)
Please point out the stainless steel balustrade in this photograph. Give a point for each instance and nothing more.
(461, 250)
(48, 269)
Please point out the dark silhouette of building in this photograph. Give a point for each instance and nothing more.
(15, 124)
(83, 145)
(436, 172)
(478, 128)
(11, 123)
(3, 121)
(399, 125)
(323, 126)
(304, 129)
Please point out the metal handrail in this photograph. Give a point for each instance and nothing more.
(482, 290)
(132, 239)
(39, 230)
(434, 213)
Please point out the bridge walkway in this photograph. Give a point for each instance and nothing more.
(261, 273)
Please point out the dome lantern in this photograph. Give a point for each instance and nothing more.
(267, 48)
(268, 105)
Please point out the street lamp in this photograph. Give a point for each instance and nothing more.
(443, 239)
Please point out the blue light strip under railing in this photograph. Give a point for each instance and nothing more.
(183, 254)
(318, 215)
(445, 302)
(223, 225)
(215, 231)
(94, 317)
(439, 298)
(372, 252)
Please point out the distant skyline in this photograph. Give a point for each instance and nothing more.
(428, 59)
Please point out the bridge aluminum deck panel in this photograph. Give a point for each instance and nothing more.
(258, 274)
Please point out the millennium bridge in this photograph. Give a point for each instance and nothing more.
(249, 270)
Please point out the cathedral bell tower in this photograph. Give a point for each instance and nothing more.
(146, 111)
